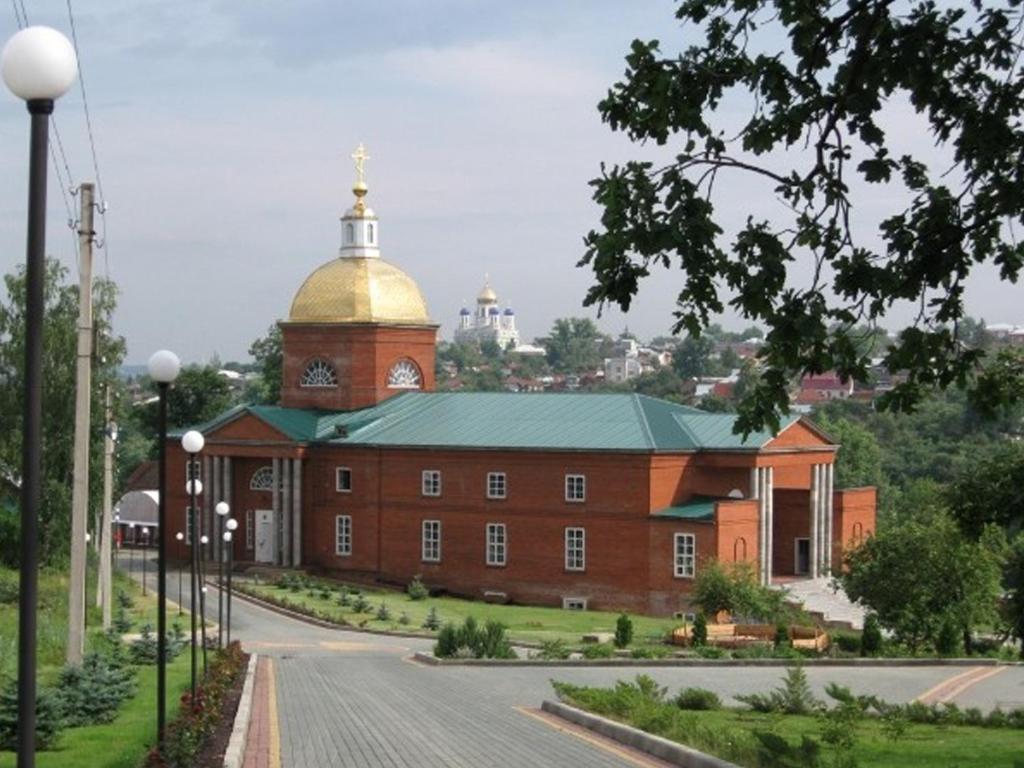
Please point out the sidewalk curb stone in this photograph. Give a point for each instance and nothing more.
(239, 733)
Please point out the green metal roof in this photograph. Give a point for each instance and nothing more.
(553, 421)
(697, 508)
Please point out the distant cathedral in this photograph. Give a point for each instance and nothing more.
(489, 323)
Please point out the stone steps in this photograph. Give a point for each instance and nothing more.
(831, 606)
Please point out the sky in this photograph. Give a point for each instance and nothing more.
(224, 129)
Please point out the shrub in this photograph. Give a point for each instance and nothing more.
(698, 698)
(121, 624)
(383, 612)
(598, 651)
(187, 735)
(781, 636)
(793, 697)
(553, 649)
(325, 593)
(343, 598)
(48, 719)
(650, 652)
(447, 642)
(623, 631)
(710, 652)
(894, 724)
(361, 604)
(699, 636)
(124, 600)
(91, 693)
(871, 636)
(144, 649)
(947, 639)
(847, 642)
(417, 590)
(433, 621)
(9, 590)
(404, 619)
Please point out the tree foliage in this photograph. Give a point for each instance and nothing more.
(269, 357)
(574, 344)
(60, 325)
(815, 139)
(859, 462)
(990, 489)
(920, 572)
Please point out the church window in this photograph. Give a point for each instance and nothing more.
(343, 480)
(575, 487)
(343, 535)
(369, 233)
(686, 555)
(431, 482)
(319, 373)
(575, 549)
(263, 480)
(431, 543)
(350, 233)
(404, 375)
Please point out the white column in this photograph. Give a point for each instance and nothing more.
(296, 512)
(814, 512)
(276, 506)
(829, 513)
(286, 511)
(770, 534)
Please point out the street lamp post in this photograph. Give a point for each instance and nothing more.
(203, 540)
(38, 65)
(181, 568)
(145, 541)
(232, 524)
(222, 509)
(131, 552)
(192, 441)
(163, 368)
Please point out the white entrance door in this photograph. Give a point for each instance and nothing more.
(265, 530)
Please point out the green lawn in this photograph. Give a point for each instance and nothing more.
(124, 742)
(525, 624)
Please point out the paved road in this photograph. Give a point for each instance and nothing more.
(354, 699)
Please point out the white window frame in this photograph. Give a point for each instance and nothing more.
(497, 485)
(497, 544)
(575, 549)
(337, 479)
(684, 549)
(574, 483)
(250, 529)
(343, 535)
(430, 482)
(430, 541)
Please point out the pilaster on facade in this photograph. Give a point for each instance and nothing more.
(296, 512)
(276, 507)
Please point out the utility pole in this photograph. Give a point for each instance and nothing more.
(83, 399)
(106, 577)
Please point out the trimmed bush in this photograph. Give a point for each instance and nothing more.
(360, 604)
(447, 642)
(553, 649)
(871, 636)
(383, 612)
(144, 650)
(598, 651)
(93, 692)
(417, 590)
(699, 636)
(623, 631)
(698, 698)
(471, 641)
(48, 718)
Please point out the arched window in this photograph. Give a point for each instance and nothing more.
(369, 233)
(350, 233)
(739, 549)
(404, 375)
(262, 479)
(319, 373)
(858, 533)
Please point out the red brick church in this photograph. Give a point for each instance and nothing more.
(578, 500)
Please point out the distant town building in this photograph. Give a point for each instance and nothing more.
(488, 323)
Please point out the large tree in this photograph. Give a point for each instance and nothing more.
(574, 345)
(990, 489)
(816, 80)
(269, 356)
(60, 325)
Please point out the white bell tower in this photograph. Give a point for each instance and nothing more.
(360, 229)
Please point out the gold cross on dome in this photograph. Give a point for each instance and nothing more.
(360, 157)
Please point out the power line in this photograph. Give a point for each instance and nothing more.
(92, 143)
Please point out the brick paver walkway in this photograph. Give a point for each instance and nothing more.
(263, 748)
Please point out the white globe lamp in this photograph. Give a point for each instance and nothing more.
(163, 366)
(192, 441)
(39, 64)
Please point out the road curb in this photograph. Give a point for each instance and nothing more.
(656, 746)
(235, 752)
(429, 658)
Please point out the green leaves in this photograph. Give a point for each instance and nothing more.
(815, 111)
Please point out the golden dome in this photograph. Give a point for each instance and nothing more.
(487, 295)
(359, 290)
